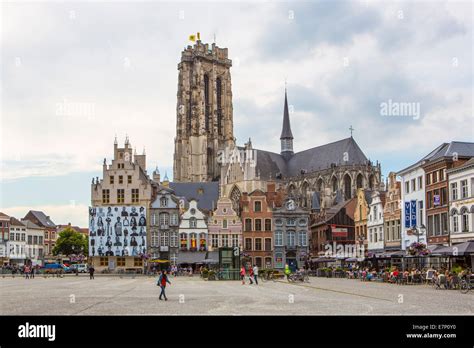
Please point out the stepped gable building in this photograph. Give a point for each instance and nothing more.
(205, 148)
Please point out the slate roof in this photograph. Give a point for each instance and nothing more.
(314, 159)
(463, 149)
(368, 196)
(190, 190)
(15, 222)
(30, 224)
(44, 220)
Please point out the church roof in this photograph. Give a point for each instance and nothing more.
(286, 129)
(314, 159)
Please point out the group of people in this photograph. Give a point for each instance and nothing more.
(27, 270)
(252, 274)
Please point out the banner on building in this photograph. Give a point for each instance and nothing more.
(436, 200)
(413, 213)
(117, 231)
(338, 231)
(407, 215)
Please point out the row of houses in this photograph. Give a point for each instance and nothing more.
(137, 219)
(31, 239)
(430, 202)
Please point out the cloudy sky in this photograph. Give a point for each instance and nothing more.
(74, 75)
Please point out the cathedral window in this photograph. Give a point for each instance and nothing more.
(219, 104)
(206, 101)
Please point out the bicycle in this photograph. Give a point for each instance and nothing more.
(465, 286)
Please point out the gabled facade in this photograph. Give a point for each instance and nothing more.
(225, 227)
(375, 222)
(193, 230)
(290, 240)
(361, 211)
(164, 225)
(461, 202)
(392, 214)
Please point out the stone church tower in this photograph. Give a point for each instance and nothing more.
(204, 122)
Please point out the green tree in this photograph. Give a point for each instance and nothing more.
(71, 242)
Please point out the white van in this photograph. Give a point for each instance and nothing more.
(81, 268)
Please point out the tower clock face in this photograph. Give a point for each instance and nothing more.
(290, 205)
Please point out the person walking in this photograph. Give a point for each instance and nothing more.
(250, 275)
(32, 274)
(242, 274)
(162, 280)
(27, 272)
(91, 272)
(255, 274)
(287, 272)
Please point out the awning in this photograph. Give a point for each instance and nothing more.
(158, 261)
(460, 249)
(191, 257)
(323, 259)
(398, 253)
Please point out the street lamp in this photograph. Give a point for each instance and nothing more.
(418, 232)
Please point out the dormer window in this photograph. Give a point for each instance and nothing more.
(163, 202)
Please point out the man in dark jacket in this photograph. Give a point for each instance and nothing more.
(162, 280)
(91, 272)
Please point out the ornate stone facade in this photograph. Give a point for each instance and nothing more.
(204, 113)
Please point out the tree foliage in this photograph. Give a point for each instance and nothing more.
(71, 242)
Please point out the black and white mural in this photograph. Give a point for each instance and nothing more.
(117, 231)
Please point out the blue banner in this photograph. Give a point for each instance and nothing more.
(413, 213)
(407, 215)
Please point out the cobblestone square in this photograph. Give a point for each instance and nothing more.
(112, 295)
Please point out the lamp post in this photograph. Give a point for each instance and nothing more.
(418, 232)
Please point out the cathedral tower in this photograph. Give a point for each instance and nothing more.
(204, 122)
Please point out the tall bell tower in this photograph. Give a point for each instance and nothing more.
(204, 121)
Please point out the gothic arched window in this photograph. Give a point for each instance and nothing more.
(347, 187)
(206, 101)
(235, 198)
(219, 104)
(359, 181)
(334, 184)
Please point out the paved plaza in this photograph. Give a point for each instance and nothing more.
(112, 295)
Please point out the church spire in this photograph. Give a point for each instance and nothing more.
(286, 137)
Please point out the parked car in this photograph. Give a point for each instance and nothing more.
(81, 268)
(56, 268)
